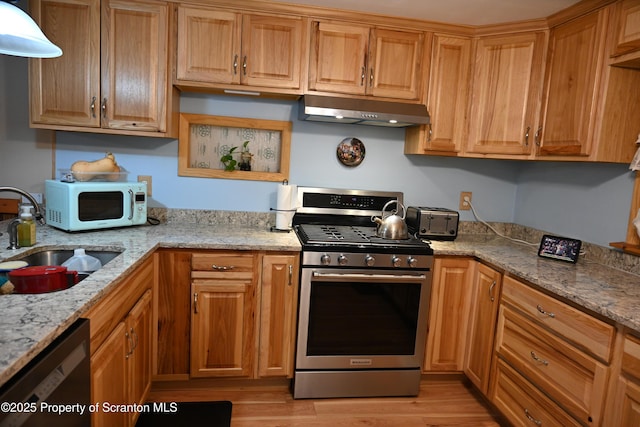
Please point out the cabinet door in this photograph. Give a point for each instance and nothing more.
(173, 319)
(506, 93)
(337, 58)
(629, 27)
(448, 314)
(484, 313)
(108, 378)
(208, 47)
(448, 94)
(66, 90)
(135, 38)
(138, 325)
(271, 51)
(628, 398)
(278, 315)
(395, 64)
(575, 57)
(222, 328)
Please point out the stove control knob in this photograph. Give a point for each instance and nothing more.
(395, 261)
(325, 259)
(369, 261)
(412, 262)
(342, 260)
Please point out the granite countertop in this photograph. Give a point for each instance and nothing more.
(31, 322)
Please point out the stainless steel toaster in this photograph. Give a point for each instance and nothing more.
(432, 223)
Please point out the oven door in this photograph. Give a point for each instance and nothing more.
(362, 319)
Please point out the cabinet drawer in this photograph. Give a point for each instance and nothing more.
(227, 265)
(573, 379)
(587, 332)
(631, 356)
(523, 404)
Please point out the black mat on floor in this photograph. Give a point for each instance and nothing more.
(192, 414)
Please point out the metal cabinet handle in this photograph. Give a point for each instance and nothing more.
(537, 136)
(535, 357)
(244, 65)
(429, 133)
(362, 76)
(290, 274)
(103, 107)
(546, 313)
(371, 78)
(222, 267)
(533, 420)
(235, 64)
(195, 303)
(92, 106)
(526, 136)
(493, 285)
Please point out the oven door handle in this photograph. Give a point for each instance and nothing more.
(359, 276)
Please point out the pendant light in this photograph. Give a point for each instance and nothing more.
(21, 36)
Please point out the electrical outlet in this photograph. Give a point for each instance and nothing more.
(147, 179)
(464, 196)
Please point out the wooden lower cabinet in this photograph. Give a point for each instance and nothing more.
(225, 314)
(485, 300)
(222, 328)
(278, 313)
(560, 352)
(121, 347)
(448, 314)
(121, 365)
(523, 404)
(624, 399)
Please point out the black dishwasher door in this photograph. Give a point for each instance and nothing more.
(61, 376)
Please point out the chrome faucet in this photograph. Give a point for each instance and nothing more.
(38, 214)
(12, 228)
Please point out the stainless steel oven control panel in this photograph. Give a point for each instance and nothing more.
(371, 260)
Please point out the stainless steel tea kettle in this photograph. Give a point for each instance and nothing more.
(392, 226)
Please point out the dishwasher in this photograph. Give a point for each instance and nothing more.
(55, 387)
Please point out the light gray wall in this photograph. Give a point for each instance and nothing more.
(581, 200)
(26, 155)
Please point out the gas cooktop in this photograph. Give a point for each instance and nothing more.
(355, 238)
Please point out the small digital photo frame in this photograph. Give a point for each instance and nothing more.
(560, 248)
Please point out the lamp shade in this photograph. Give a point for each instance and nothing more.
(21, 36)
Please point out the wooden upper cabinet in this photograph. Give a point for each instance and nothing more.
(113, 74)
(573, 68)
(360, 60)
(506, 93)
(66, 90)
(135, 57)
(219, 47)
(338, 58)
(447, 99)
(208, 46)
(628, 27)
(395, 64)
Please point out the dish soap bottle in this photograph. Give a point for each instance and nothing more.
(26, 228)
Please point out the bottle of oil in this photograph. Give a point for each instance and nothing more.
(27, 227)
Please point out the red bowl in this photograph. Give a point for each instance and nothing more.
(41, 279)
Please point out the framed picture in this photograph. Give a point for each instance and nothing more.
(560, 248)
(233, 148)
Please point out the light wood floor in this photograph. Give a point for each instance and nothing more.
(441, 402)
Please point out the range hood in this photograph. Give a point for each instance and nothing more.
(363, 112)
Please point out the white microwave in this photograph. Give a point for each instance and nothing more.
(78, 206)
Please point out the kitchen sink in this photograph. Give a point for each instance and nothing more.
(58, 256)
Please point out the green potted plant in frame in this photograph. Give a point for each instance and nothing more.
(245, 158)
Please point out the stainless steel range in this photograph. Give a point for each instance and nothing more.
(364, 300)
